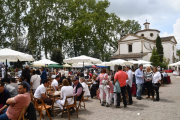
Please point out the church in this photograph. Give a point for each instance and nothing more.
(138, 46)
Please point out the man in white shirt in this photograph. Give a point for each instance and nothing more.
(54, 83)
(3, 70)
(35, 80)
(41, 93)
(129, 83)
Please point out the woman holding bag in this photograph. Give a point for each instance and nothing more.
(156, 82)
(148, 80)
(103, 77)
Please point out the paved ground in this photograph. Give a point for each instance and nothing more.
(168, 108)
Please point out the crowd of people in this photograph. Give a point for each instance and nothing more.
(113, 84)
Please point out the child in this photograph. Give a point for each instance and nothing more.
(111, 85)
(94, 86)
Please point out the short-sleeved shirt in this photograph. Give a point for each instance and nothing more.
(102, 77)
(21, 100)
(54, 84)
(121, 76)
(39, 91)
(35, 79)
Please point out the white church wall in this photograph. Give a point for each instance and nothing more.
(168, 53)
(136, 47)
(147, 34)
(129, 38)
(123, 49)
(147, 48)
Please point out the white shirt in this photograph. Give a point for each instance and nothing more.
(86, 89)
(67, 91)
(54, 84)
(39, 91)
(66, 73)
(35, 79)
(156, 77)
(130, 78)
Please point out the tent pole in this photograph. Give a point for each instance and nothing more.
(6, 71)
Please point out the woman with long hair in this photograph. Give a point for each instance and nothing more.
(148, 81)
(103, 81)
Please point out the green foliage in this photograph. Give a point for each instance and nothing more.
(154, 57)
(163, 65)
(166, 61)
(159, 49)
(178, 53)
(57, 56)
(76, 27)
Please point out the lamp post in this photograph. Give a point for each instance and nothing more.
(141, 54)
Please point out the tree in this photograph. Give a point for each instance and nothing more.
(178, 53)
(159, 49)
(57, 56)
(154, 57)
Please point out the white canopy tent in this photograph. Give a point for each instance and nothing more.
(121, 62)
(43, 62)
(9, 55)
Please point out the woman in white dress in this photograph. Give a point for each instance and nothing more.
(85, 87)
(66, 90)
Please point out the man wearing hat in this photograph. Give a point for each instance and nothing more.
(78, 88)
(54, 83)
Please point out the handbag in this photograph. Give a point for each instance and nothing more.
(104, 82)
(156, 85)
(117, 88)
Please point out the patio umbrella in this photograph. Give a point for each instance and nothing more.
(7, 54)
(66, 65)
(147, 65)
(55, 66)
(105, 64)
(80, 64)
(121, 62)
(43, 62)
(140, 62)
(83, 59)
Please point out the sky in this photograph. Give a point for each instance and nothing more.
(163, 15)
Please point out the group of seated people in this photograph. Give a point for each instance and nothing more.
(10, 107)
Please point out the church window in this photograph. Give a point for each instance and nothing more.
(130, 48)
(142, 35)
(151, 34)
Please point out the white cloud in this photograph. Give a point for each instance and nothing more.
(176, 32)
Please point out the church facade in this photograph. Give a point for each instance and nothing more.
(139, 46)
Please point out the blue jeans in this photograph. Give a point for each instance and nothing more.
(139, 90)
(4, 117)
